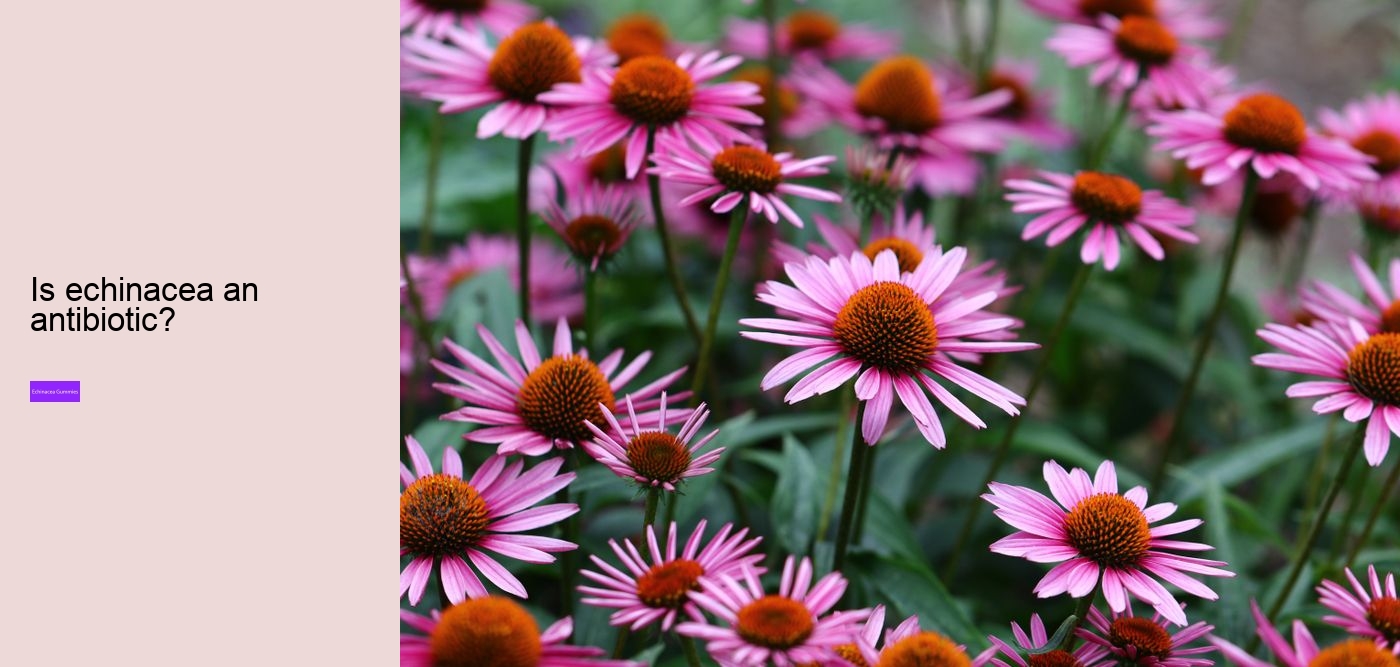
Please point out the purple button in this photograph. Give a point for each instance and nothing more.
(54, 391)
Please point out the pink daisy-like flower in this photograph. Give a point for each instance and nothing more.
(1188, 18)
(444, 518)
(1373, 612)
(785, 629)
(899, 104)
(1093, 531)
(1030, 113)
(1304, 652)
(737, 173)
(1110, 204)
(907, 235)
(1382, 314)
(854, 317)
(546, 403)
(1379, 208)
(1145, 642)
(664, 588)
(1372, 126)
(1265, 133)
(1033, 645)
(555, 289)
(466, 73)
(799, 116)
(1362, 380)
(493, 631)
(1136, 50)
(653, 458)
(673, 96)
(434, 18)
(907, 644)
(562, 176)
(876, 180)
(595, 224)
(812, 34)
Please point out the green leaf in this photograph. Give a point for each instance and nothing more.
(487, 299)
(1233, 617)
(1058, 639)
(1053, 442)
(914, 589)
(1238, 463)
(734, 435)
(890, 529)
(794, 506)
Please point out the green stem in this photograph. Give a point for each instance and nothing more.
(436, 129)
(848, 506)
(1319, 467)
(1300, 254)
(1105, 144)
(522, 222)
(867, 470)
(692, 655)
(989, 41)
(653, 498)
(620, 646)
(833, 481)
(771, 109)
(962, 32)
(590, 312)
(1381, 504)
(1076, 288)
(419, 321)
(1237, 30)
(1222, 293)
(1344, 529)
(1081, 611)
(707, 343)
(667, 251)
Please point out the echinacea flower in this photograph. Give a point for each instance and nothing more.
(1136, 51)
(1145, 642)
(1038, 652)
(664, 588)
(1363, 380)
(1108, 204)
(1030, 113)
(785, 629)
(904, 233)
(546, 403)
(675, 98)
(653, 458)
(811, 34)
(594, 224)
(1305, 652)
(908, 644)
(1379, 209)
(493, 631)
(1381, 315)
(555, 290)
(1261, 132)
(1365, 612)
(1097, 534)
(445, 521)
(1372, 126)
(876, 181)
(742, 174)
(466, 73)
(1188, 18)
(892, 331)
(563, 176)
(637, 35)
(798, 116)
(434, 18)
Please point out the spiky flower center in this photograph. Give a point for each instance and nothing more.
(1119, 8)
(531, 60)
(486, 632)
(439, 515)
(775, 622)
(1056, 658)
(609, 165)
(1143, 635)
(851, 653)
(909, 255)
(459, 6)
(808, 29)
(1109, 530)
(1266, 123)
(1145, 40)
(593, 235)
(759, 76)
(1390, 317)
(652, 90)
(747, 169)
(1274, 212)
(925, 649)
(637, 35)
(900, 91)
(1373, 368)
(1354, 653)
(657, 455)
(888, 326)
(560, 394)
(1021, 100)
(1384, 615)
(1106, 197)
(1382, 145)
(665, 586)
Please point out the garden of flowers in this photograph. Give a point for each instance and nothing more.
(1026, 332)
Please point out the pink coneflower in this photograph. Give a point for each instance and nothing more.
(1363, 379)
(594, 224)
(1030, 113)
(493, 631)
(900, 105)
(1373, 612)
(1145, 642)
(1108, 204)
(434, 18)
(555, 289)
(673, 96)
(907, 644)
(906, 234)
(562, 176)
(1188, 18)
(546, 403)
(894, 330)
(654, 458)
(1095, 530)
(876, 180)
(1033, 644)
(445, 520)
(798, 115)
(787, 628)
(1279, 203)
(1305, 652)
(1379, 208)
(1372, 126)
(1264, 132)
(466, 73)
(663, 589)
(637, 35)
(812, 34)
(734, 174)
(1136, 51)
(1381, 315)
